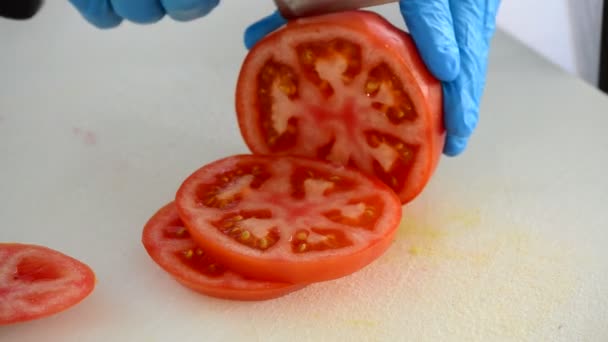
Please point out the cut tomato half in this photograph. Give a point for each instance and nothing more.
(36, 282)
(345, 87)
(288, 218)
(168, 243)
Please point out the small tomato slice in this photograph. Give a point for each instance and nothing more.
(346, 87)
(36, 282)
(288, 218)
(169, 244)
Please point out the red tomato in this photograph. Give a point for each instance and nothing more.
(347, 87)
(169, 244)
(36, 281)
(289, 219)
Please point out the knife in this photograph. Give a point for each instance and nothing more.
(291, 9)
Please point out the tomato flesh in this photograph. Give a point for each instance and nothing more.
(349, 88)
(288, 218)
(36, 282)
(169, 244)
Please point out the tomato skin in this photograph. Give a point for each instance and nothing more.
(58, 282)
(227, 285)
(378, 36)
(307, 269)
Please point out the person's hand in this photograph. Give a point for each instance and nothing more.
(110, 13)
(453, 37)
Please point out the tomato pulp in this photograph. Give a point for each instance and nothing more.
(168, 243)
(36, 281)
(349, 88)
(288, 218)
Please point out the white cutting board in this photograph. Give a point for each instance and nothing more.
(98, 128)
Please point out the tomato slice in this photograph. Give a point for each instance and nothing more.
(346, 87)
(36, 282)
(169, 244)
(288, 218)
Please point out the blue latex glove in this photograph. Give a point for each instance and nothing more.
(110, 13)
(453, 37)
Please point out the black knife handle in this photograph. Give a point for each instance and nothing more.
(19, 9)
(603, 79)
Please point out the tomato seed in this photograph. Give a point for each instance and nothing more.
(263, 243)
(372, 87)
(393, 181)
(288, 88)
(245, 235)
(307, 56)
(330, 242)
(302, 235)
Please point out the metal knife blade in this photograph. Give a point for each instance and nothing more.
(291, 9)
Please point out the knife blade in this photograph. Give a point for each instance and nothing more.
(291, 9)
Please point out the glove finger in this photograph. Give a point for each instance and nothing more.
(490, 17)
(97, 12)
(261, 28)
(454, 145)
(139, 11)
(430, 24)
(474, 26)
(185, 10)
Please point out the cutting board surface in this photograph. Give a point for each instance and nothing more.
(98, 128)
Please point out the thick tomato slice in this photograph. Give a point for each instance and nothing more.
(36, 282)
(288, 218)
(347, 87)
(169, 244)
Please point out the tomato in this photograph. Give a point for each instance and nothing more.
(288, 218)
(346, 87)
(36, 281)
(169, 244)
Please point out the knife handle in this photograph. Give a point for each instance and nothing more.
(291, 9)
(19, 9)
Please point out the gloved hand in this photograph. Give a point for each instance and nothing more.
(110, 13)
(453, 37)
